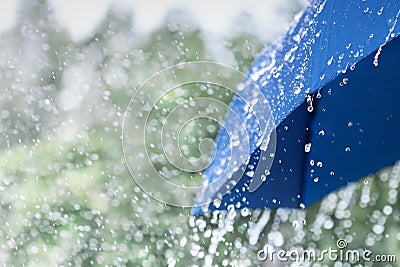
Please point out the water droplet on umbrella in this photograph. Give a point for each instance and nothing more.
(330, 61)
(344, 81)
(250, 173)
(322, 132)
(380, 11)
(307, 147)
(347, 149)
(316, 179)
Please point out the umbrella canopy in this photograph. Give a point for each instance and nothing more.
(332, 83)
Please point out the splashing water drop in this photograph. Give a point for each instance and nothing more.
(245, 212)
(217, 203)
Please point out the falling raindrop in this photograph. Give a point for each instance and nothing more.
(245, 212)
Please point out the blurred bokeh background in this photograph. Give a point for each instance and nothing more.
(67, 72)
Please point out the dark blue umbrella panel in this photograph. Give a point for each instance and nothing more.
(333, 85)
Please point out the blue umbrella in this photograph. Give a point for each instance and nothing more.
(332, 83)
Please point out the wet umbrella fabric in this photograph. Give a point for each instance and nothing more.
(332, 83)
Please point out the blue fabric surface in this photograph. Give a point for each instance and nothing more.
(345, 56)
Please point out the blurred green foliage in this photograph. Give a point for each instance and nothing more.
(66, 197)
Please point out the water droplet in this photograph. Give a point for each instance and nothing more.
(297, 90)
(286, 127)
(380, 11)
(250, 173)
(307, 147)
(302, 206)
(312, 162)
(330, 61)
(347, 149)
(263, 178)
(310, 108)
(332, 173)
(230, 208)
(350, 124)
(245, 212)
(319, 164)
(322, 132)
(344, 81)
(315, 179)
(217, 203)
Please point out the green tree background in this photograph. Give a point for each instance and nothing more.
(66, 196)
